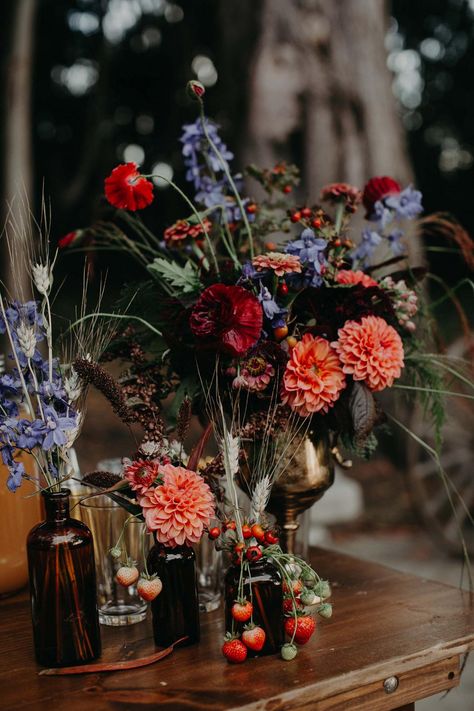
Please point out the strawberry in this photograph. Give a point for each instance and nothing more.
(253, 637)
(127, 574)
(288, 604)
(258, 532)
(253, 554)
(288, 652)
(246, 531)
(242, 610)
(305, 626)
(149, 587)
(234, 650)
(296, 586)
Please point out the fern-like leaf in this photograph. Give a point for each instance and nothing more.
(185, 278)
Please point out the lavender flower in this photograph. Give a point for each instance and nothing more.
(396, 245)
(17, 472)
(310, 249)
(272, 311)
(370, 241)
(407, 204)
(31, 433)
(199, 157)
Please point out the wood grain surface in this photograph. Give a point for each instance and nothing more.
(385, 624)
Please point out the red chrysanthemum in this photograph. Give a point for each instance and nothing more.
(141, 474)
(228, 318)
(342, 192)
(178, 510)
(376, 189)
(313, 378)
(347, 276)
(371, 351)
(183, 229)
(126, 189)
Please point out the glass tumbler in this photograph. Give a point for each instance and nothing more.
(117, 605)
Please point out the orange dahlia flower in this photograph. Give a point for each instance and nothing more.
(313, 377)
(178, 510)
(347, 276)
(278, 261)
(371, 351)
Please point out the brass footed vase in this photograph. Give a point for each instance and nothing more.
(307, 467)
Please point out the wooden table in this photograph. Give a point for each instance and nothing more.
(388, 628)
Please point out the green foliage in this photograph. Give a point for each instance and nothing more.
(362, 450)
(185, 279)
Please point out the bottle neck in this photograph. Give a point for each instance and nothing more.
(57, 505)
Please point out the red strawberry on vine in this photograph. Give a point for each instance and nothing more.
(253, 637)
(296, 586)
(305, 626)
(288, 605)
(234, 650)
(127, 574)
(242, 610)
(149, 587)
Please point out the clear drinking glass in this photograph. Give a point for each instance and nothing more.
(117, 605)
(209, 573)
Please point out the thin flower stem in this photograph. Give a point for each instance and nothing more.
(228, 175)
(433, 390)
(119, 316)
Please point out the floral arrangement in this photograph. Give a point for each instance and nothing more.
(41, 397)
(282, 295)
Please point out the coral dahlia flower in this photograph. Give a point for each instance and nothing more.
(371, 351)
(347, 276)
(141, 474)
(178, 510)
(342, 192)
(313, 378)
(228, 318)
(278, 261)
(126, 189)
(378, 189)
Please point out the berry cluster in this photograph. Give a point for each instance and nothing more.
(256, 538)
(313, 217)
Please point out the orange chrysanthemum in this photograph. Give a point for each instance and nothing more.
(371, 351)
(313, 377)
(178, 510)
(347, 276)
(278, 261)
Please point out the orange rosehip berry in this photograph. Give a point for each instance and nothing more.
(280, 333)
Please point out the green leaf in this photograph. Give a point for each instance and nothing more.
(186, 278)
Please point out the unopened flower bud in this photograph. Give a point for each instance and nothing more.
(195, 90)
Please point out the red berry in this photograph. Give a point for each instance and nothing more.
(149, 588)
(306, 212)
(127, 575)
(287, 189)
(295, 216)
(230, 526)
(288, 604)
(251, 208)
(246, 531)
(280, 333)
(253, 554)
(316, 223)
(270, 538)
(239, 547)
(336, 243)
(214, 533)
(305, 626)
(282, 289)
(296, 586)
(242, 610)
(258, 532)
(253, 637)
(234, 650)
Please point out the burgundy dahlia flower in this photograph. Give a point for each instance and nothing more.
(228, 318)
(377, 189)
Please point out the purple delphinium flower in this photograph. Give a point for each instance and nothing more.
(407, 204)
(57, 426)
(7, 454)
(272, 311)
(199, 157)
(369, 243)
(31, 433)
(310, 250)
(394, 240)
(17, 472)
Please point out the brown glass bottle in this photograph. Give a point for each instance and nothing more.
(266, 595)
(176, 609)
(62, 587)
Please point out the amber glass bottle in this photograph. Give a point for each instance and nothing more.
(262, 585)
(176, 609)
(62, 587)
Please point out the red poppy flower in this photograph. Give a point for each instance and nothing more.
(69, 239)
(127, 189)
(378, 188)
(228, 318)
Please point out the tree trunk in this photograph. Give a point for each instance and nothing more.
(17, 149)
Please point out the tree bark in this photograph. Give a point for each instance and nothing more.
(17, 149)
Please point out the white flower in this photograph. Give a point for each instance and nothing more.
(72, 386)
(42, 277)
(26, 339)
(150, 449)
(73, 433)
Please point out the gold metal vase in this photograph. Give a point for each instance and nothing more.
(307, 466)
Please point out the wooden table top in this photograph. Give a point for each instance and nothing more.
(385, 624)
